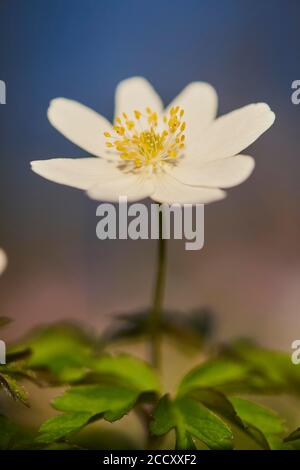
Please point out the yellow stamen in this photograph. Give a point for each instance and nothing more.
(143, 147)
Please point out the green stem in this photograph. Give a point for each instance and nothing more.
(156, 311)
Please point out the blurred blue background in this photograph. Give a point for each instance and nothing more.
(249, 270)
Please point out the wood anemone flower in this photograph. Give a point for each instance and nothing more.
(180, 154)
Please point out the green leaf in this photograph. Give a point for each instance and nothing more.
(8, 431)
(62, 426)
(163, 419)
(131, 371)
(272, 371)
(95, 399)
(132, 379)
(258, 418)
(84, 403)
(62, 349)
(217, 402)
(13, 388)
(13, 370)
(190, 418)
(204, 425)
(277, 443)
(245, 368)
(214, 373)
(294, 436)
(11, 436)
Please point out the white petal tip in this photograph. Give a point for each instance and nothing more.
(55, 104)
(36, 165)
(135, 80)
(204, 86)
(265, 111)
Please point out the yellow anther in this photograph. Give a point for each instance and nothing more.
(119, 130)
(129, 125)
(152, 119)
(148, 146)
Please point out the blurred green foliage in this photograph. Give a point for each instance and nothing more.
(210, 408)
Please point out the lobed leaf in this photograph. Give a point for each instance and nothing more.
(272, 371)
(63, 349)
(131, 371)
(213, 373)
(62, 426)
(82, 404)
(191, 419)
(259, 419)
(95, 399)
(217, 402)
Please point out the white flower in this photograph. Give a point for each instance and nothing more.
(3, 261)
(179, 154)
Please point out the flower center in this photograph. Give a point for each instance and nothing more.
(140, 146)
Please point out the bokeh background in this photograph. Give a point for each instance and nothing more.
(249, 269)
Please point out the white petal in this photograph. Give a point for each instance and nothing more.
(232, 133)
(224, 173)
(170, 190)
(81, 125)
(136, 93)
(199, 101)
(134, 187)
(81, 173)
(3, 261)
